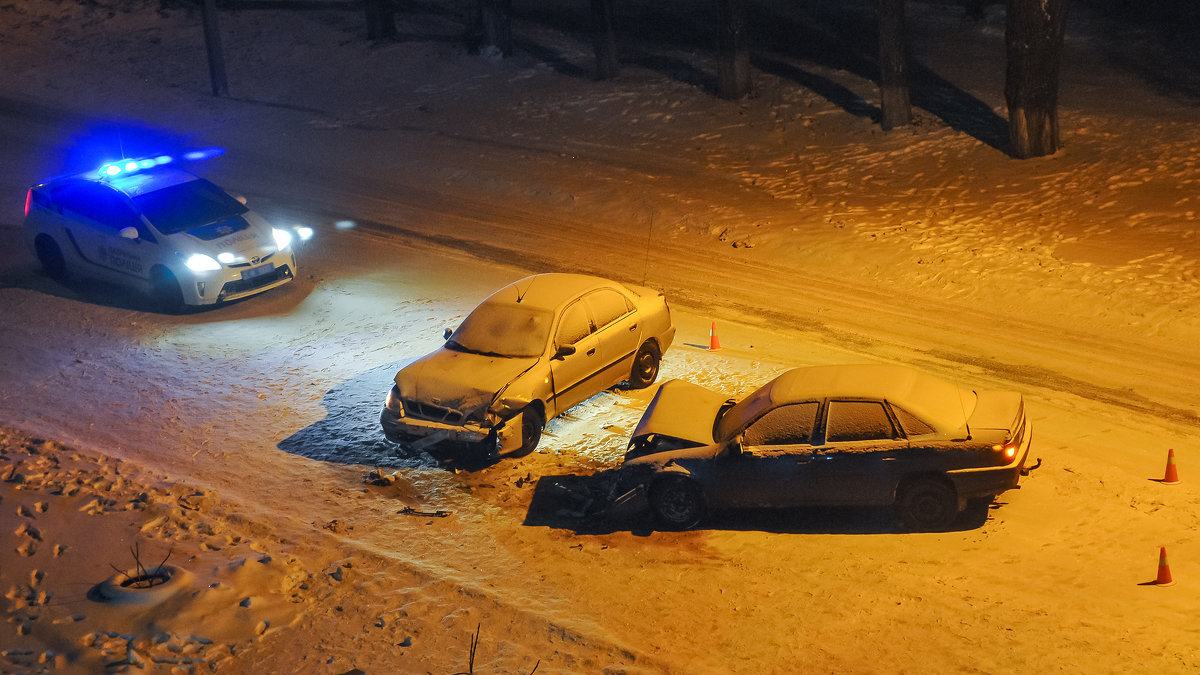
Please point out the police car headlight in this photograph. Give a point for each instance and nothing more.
(283, 238)
(202, 263)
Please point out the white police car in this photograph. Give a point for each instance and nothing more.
(154, 227)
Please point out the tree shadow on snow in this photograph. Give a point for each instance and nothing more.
(578, 503)
(831, 91)
(1158, 40)
(958, 109)
(842, 37)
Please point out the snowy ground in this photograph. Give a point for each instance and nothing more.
(242, 440)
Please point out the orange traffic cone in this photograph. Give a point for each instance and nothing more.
(714, 343)
(1171, 477)
(1164, 570)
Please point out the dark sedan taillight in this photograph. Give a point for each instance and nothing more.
(1009, 448)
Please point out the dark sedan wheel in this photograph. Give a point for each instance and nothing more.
(51, 258)
(645, 366)
(928, 505)
(532, 423)
(677, 503)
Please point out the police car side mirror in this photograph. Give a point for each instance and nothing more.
(129, 233)
(241, 198)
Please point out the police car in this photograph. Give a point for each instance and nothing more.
(147, 224)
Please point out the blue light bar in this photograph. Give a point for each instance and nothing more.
(132, 165)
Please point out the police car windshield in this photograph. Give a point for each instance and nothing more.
(184, 206)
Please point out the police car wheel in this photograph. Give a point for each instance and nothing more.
(165, 291)
(51, 258)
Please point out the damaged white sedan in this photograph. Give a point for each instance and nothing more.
(526, 354)
(825, 435)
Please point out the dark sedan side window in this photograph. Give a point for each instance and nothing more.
(857, 421)
(786, 425)
(575, 325)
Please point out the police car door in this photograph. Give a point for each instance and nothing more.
(96, 216)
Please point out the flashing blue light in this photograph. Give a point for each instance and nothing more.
(131, 165)
(195, 155)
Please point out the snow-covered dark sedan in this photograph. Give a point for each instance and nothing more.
(526, 354)
(824, 435)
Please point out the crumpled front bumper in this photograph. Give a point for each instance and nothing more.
(629, 505)
(629, 497)
(422, 433)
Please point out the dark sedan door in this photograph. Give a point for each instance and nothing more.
(771, 468)
(861, 458)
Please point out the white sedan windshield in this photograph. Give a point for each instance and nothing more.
(503, 329)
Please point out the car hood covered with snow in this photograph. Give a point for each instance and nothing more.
(682, 410)
(462, 381)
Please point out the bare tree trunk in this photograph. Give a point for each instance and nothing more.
(380, 19)
(1034, 38)
(895, 106)
(495, 21)
(733, 52)
(212, 43)
(604, 40)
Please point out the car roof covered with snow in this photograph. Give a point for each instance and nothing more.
(548, 291)
(942, 404)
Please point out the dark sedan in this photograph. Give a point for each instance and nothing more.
(825, 435)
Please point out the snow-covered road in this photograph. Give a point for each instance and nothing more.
(248, 432)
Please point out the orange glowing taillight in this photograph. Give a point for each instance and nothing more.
(1009, 449)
